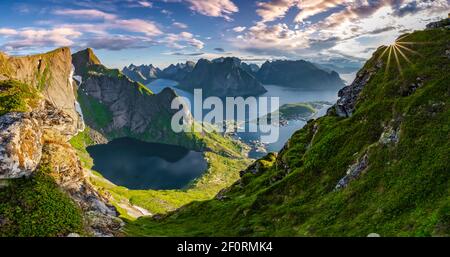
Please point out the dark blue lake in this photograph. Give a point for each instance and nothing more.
(139, 165)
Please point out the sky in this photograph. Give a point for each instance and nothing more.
(162, 32)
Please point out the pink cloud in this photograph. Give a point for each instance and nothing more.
(86, 13)
(214, 8)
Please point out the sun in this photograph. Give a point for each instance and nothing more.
(399, 49)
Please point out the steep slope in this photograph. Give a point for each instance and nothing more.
(44, 190)
(143, 73)
(222, 78)
(118, 107)
(382, 167)
(298, 74)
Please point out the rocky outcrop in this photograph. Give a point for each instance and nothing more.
(298, 74)
(67, 171)
(39, 137)
(21, 138)
(445, 23)
(389, 136)
(353, 172)
(143, 73)
(222, 78)
(20, 145)
(348, 96)
(51, 73)
(177, 72)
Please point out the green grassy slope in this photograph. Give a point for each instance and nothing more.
(16, 96)
(404, 191)
(36, 206)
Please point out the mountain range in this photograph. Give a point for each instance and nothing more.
(229, 76)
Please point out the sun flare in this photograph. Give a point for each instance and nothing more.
(398, 50)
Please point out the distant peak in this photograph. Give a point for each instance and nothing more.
(87, 56)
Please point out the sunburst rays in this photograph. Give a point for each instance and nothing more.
(398, 51)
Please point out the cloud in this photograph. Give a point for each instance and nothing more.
(182, 40)
(185, 54)
(35, 38)
(239, 29)
(312, 7)
(381, 30)
(137, 25)
(8, 32)
(214, 8)
(219, 49)
(350, 29)
(145, 4)
(86, 13)
(180, 25)
(118, 42)
(275, 9)
(148, 28)
(413, 6)
(266, 37)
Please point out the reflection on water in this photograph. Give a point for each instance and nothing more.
(140, 165)
(286, 95)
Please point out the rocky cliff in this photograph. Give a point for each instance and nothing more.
(298, 74)
(117, 106)
(39, 117)
(222, 77)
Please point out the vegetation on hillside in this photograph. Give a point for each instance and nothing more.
(95, 113)
(16, 96)
(36, 206)
(402, 191)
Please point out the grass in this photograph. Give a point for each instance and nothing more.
(94, 112)
(80, 142)
(16, 96)
(404, 191)
(36, 207)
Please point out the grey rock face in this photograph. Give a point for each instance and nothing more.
(22, 136)
(445, 23)
(348, 96)
(20, 145)
(130, 108)
(389, 136)
(133, 108)
(353, 172)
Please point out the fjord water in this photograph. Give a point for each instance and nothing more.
(286, 96)
(139, 165)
